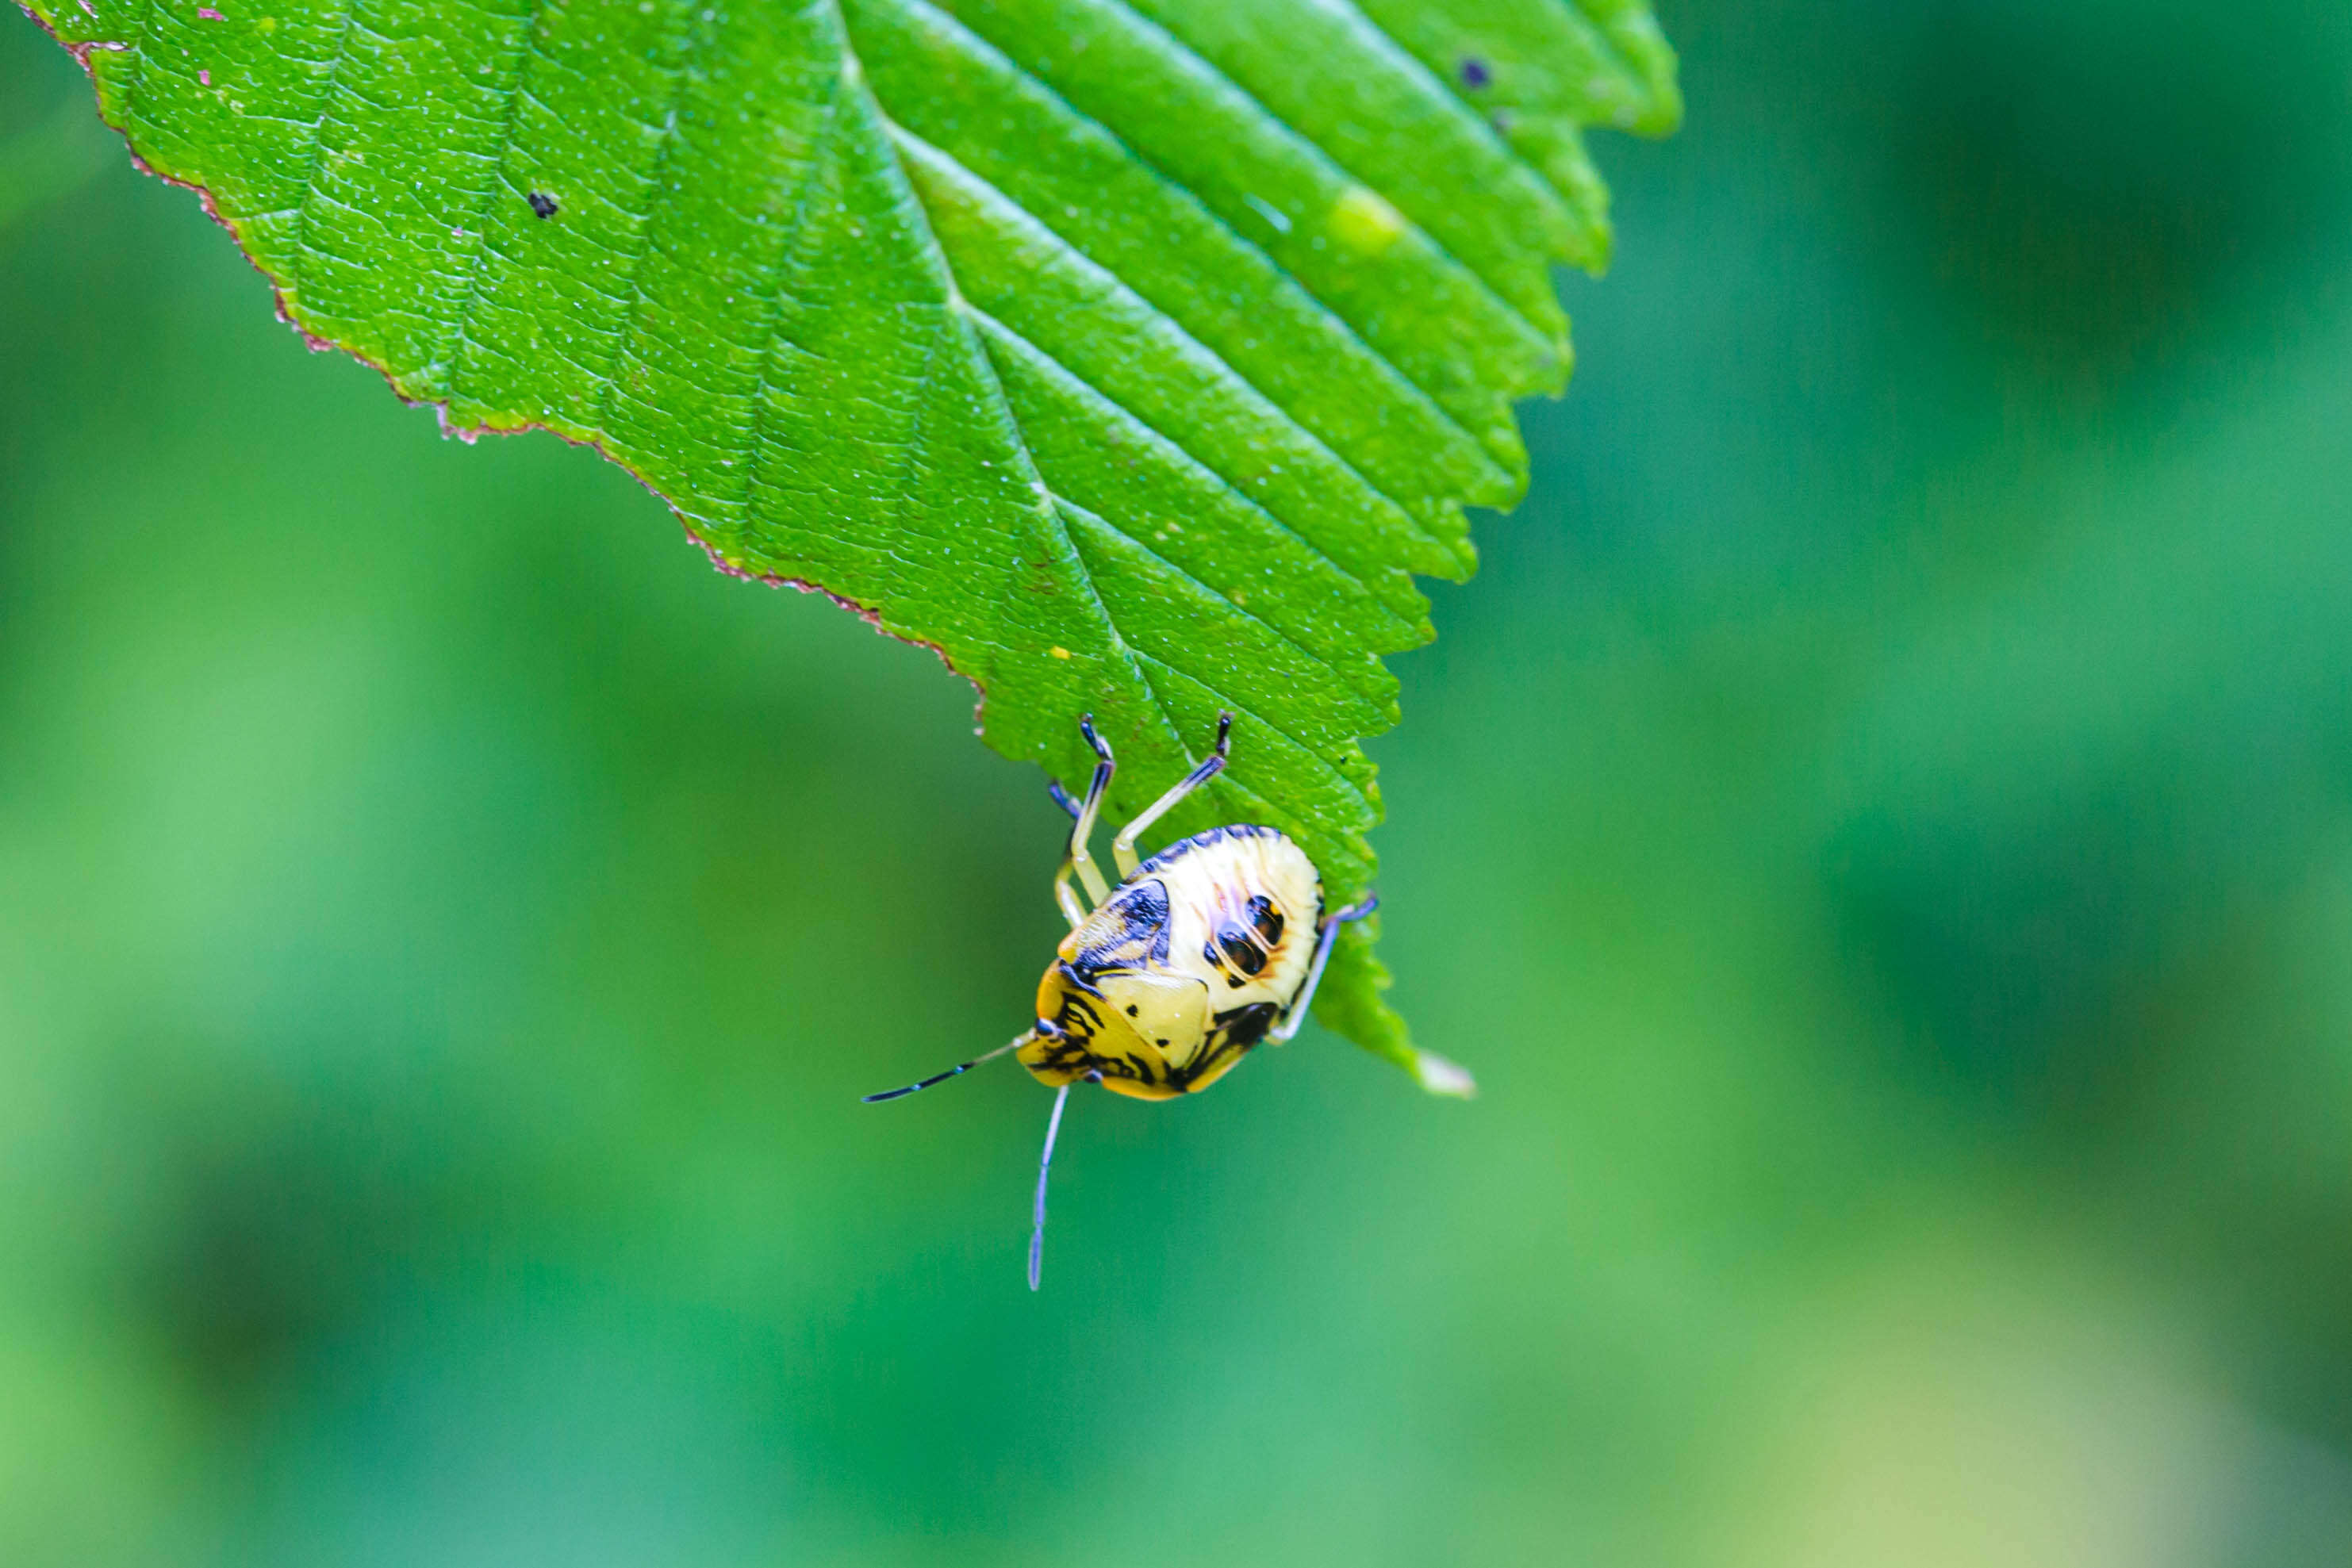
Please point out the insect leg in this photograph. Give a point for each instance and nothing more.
(1295, 1014)
(1122, 848)
(1063, 893)
(1045, 1163)
(950, 1072)
(1079, 859)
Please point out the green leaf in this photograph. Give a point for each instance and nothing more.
(1134, 356)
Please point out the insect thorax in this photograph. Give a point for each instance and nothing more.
(1183, 968)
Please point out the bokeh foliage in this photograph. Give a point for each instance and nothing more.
(1882, 823)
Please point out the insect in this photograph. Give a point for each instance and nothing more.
(1211, 947)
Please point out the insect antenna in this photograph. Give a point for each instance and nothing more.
(1045, 1163)
(950, 1072)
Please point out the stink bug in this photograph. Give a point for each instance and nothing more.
(1211, 946)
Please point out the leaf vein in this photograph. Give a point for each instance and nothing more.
(1307, 140)
(1051, 505)
(1287, 418)
(1405, 62)
(1048, 504)
(318, 152)
(990, 323)
(138, 73)
(772, 329)
(1226, 698)
(1426, 400)
(682, 76)
(478, 233)
(1242, 610)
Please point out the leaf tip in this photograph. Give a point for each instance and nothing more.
(1441, 1076)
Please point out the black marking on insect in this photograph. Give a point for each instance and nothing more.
(542, 203)
(1242, 946)
(1135, 925)
(1126, 1002)
(1244, 1026)
(1266, 918)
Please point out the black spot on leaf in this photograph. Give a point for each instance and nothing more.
(1475, 74)
(542, 203)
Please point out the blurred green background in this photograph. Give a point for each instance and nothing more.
(1880, 825)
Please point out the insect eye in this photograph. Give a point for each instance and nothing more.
(1266, 918)
(1242, 948)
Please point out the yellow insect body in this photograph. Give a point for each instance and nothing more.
(1185, 969)
(1210, 947)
